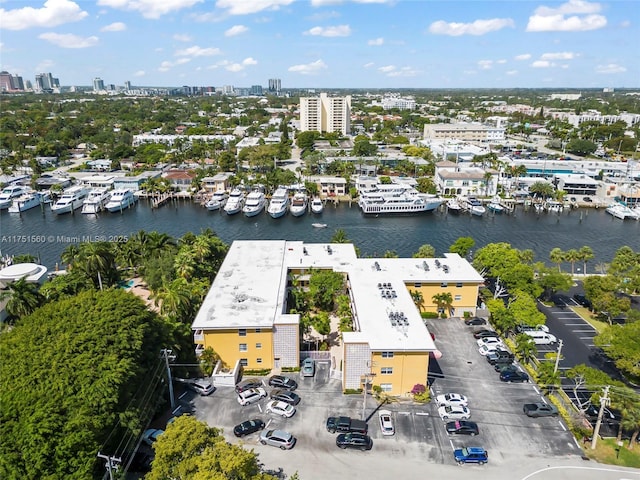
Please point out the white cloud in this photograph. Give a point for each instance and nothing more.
(309, 68)
(52, 14)
(139, 73)
(321, 16)
(167, 65)
(479, 27)
(337, 31)
(249, 61)
(511, 72)
(150, 8)
(235, 67)
(376, 42)
(558, 56)
(182, 37)
(485, 64)
(610, 68)
(368, 65)
(403, 72)
(197, 51)
(542, 64)
(238, 67)
(387, 68)
(524, 56)
(572, 16)
(114, 27)
(502, 61)
(69, 40)
(235, 30)
(245, 7)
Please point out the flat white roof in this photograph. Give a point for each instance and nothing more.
(250, 290)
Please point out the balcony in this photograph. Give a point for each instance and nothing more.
(198, 336)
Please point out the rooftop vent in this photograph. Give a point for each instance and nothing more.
(437, 263)
(425, 266)
(377, 266)
(445, 268)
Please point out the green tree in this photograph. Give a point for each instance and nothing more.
(542, 189)
(525, 348)
(572, 256)
(523, 307)
(546, 377)
(443, 302)
(418, 299)
(339, 236)
(551, 281)
(622, 344)
(324, 287)
(305, 140)
(364, 148)
(191, 450)
(501, 317)
(586, 254)
(23, 298)
(462, 246)
(426, 185)
(626, 266)
(425, 251)
(557, 256)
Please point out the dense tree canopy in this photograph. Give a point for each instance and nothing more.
(622, 344)
(70, 372)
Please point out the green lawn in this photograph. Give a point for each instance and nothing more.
(588, 317)
(607, 452)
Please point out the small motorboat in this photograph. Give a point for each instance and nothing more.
(319, 225)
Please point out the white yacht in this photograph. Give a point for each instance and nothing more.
(71, 199)
(120, 199)
(316, 205)
(396, 199)
(254, 203)
(235, 202)
(554, 207)
(28, 201)
(476, 207)
(299, 204)
(10, 193)
(495, 206)
(217, 201)
(279, 203)
(620, 211)
(453, 206)
(95, 201)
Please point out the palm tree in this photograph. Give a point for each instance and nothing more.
(572, 256)
(70, 254)
(557, 256)
(339, 236)
(97, 261)
(631, 421)
(24, 298)
(586, 254)
(443, 302)
(525, 348)
(487, 177)
(425, 251)
(173, 299)
(417, 298)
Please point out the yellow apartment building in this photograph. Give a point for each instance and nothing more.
(245, 315)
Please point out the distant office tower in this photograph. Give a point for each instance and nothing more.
(17, 82)
(325, 114)
(274, 85)
(256, 90)
(45, 82)
(5, 82)
(98, 84)
(127, 85)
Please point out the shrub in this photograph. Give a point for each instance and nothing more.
(429, 315)
(256, 372)
(352, 391)
(290, 369)
(467, 315)
(418, 389)
(420, 393)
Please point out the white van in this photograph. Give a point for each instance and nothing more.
(541, 338)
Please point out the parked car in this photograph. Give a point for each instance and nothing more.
(386, 422)
(462, 427)
(277, 438)
(456, 412)
(582, 300)
(308, 368)
(202, 386)
(475, 321)
(539, 409)
(484, 349)
(484, 333)
(471, 455)
(281, 381)
(247, 427)
(489, 341)
(151, 435)
(500, 367)
(451, 399)
(500, 355)
(522, 328)
(516, 376)
(247, 384)
(280, 408)
(251, 396)
(354, 440)
(285, 396)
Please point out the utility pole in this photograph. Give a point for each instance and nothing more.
(113, 463)
(604, 401)
(168, 355)
(367, 380)
(555, 368)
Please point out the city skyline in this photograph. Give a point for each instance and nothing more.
(324, 43)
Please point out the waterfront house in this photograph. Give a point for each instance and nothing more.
(455, 179)
(180, 180)
(218, 183)
(135, 182)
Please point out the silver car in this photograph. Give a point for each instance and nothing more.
(308, 367)
(277, 438)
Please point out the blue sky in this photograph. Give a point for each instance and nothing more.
(325, 43)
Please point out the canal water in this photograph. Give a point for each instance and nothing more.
(45, 235)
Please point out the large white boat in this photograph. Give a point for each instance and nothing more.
(476, 207)
(254, 203)
(10, 193)
(279, 203)
(554, 207)
(453, 206)
(396, 199)
(299, 203)
(95, 201)
(217, 201)
(620, 211)
(28, 201)
(316, 205)
(235, 202)
(71, 199)
(120, 199)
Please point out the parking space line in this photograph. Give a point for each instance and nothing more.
(581, 324)
(583, 331)
(573, 317)
(563, 427)
(451, 442)
(422, 414)
(180, 397)
(534, 387)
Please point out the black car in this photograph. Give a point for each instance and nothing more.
(516, 376)
(462, 427)
(582, 300)
(248, 384)
(475, 321)
(283, 382)
(509, 368)
(484, 333)
(285, 396)
(354, 440)
(250, 426)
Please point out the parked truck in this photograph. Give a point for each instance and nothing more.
(346, 425)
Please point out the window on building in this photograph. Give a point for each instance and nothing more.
(387, 354)
(417, 285)
(258, 330)
(243, 347)
(244, 362)
(242, 332)
(444, 284)
(465, 183)
(457, 298)
(386, 371)
(386, 387)
(258, 360)
(258, 345)
(459, 285)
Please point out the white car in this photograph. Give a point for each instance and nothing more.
(280, 408)
(202, 386)
(456, 412)
(386, 422)
(252, 395)
(451, 399)
(489, 341)
(485, 349)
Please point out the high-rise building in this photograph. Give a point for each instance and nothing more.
(274, 86)
(325, 114)
(5, 82)
(127, 85)
(98, 84)
(256, 90)
(46, 83)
